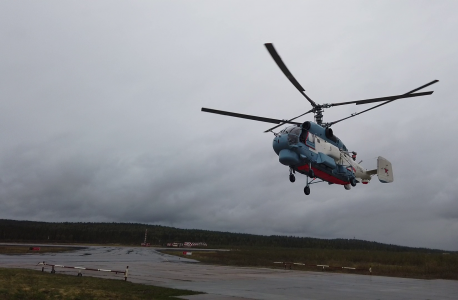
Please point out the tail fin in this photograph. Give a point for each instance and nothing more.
(384, 170)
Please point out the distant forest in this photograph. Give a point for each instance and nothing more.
(133, 234)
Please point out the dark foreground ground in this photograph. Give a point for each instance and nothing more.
(27, 284)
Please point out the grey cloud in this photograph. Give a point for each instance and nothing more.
(101, 121)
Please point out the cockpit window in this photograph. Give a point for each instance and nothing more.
(290, 128)
(296, 131)
(293, 135)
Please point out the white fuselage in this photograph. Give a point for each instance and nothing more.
(341, 158)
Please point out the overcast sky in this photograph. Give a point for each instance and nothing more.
(100, 114)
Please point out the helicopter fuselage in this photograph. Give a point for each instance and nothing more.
(311, 146)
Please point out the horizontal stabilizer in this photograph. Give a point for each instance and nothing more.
(372, 172)
(384, 170)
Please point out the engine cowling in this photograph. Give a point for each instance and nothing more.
(330, 134)
(306, 125)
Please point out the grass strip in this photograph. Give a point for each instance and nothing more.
(13, 249)
(384, 263)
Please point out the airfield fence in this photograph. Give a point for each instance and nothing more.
(290, 264)
(53, 266)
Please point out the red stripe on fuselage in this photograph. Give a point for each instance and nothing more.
(323, 175)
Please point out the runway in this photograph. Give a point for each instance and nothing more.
(148, 266)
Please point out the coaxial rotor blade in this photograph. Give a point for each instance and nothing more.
(366, 101)
(389, 101)
(249, 117)
(284, 69)
(393, 98)
(270, 129)
(355, 114)
(406, 95)
(423, 86)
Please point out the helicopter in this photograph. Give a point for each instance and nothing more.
(312, 148)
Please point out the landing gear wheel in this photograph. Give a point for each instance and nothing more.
(292, 178)
(307, 190)
(353, 181)
(311, 174)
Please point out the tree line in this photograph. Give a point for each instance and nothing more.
(134, 233)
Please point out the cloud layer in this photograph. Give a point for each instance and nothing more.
(101, 121)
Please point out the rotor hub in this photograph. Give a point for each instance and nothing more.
(318, 114)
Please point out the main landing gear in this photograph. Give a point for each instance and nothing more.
(310, 174)
(307, 190)
(353, 181)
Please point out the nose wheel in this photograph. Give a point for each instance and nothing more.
(292, 178)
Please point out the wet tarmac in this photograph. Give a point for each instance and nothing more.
(148, 266)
